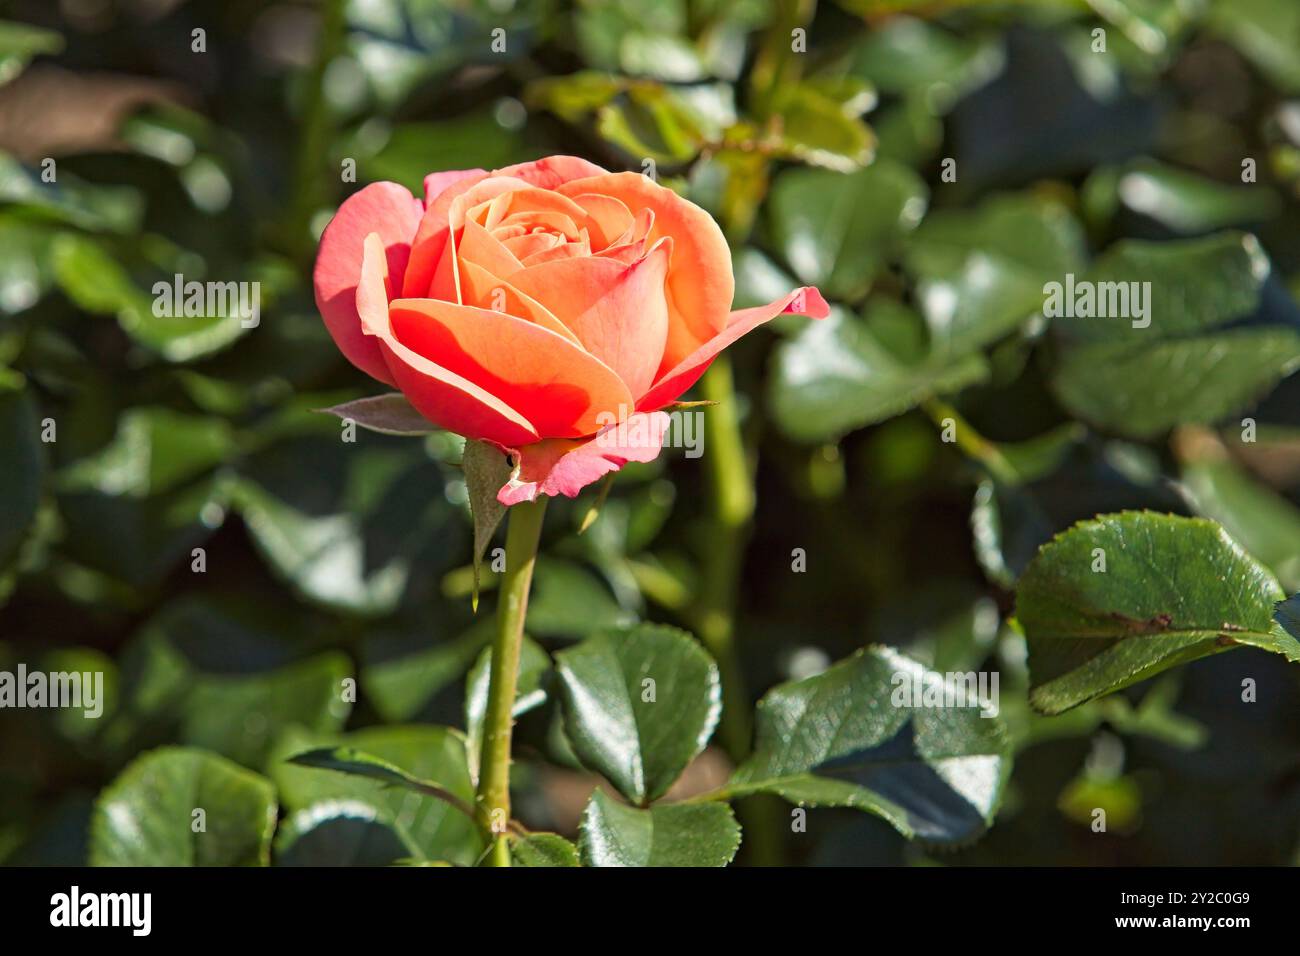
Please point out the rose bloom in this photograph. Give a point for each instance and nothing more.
(551, 308)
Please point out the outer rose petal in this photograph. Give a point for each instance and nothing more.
(435, 184)
(562, 390)
(563, 467)
(700, 285)
(552, 171)
(389, 211)
(442, 397)
(671, 385)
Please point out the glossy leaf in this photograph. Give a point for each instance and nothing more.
(429, 827)
(849, 737)
(543, 849)
(614, 834)
(1144, 391)
(147, 816)
(836, 376)
(1172, 590)
(836, 231)
(338, 833)
(639, 705)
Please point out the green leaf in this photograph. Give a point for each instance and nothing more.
(20, 478)
(346, 533)
(570, 601)
(400, 685)
(836, 231)
(308, 694)
(72, 201)
(390, 759)
(1141, 392)
(352, 761)
(389, 414)
(337, 833)
(1173, 590)
(19, 43)
(836, 376)
(1287, 617)
(980, 273)
(94, 280)
(855, 736)
(639, 705)
(614, 834)
(486, 471)
(910, 56)
(1175, 365)
(1267, 32)
(654, 123)
(1265, 523)
(818, 130)
(575, 96)
(146, 817)
(154, 450)
(1195, 285)
(543, 849)
(1182, 201)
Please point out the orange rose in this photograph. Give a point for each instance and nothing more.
(534, 306)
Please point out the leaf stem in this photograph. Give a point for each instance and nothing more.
(492, 800)
(971, 442)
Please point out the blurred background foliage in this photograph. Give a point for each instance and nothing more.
(323, 560)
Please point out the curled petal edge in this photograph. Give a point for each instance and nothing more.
(562, 466)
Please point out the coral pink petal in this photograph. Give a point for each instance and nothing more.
(560, 467)
(391, 212)
(431, 236)
(561, 389)
(617, 311)
(483, 290)
(670, 386)
(700, 286)
(552, 171)
(441, 396)
(435, 184)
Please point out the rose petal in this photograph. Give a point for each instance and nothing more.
(392, 213)
(435, 184)
(483, 290)
(561, 389)
(806, 301)
(700, 286)
(617, 311)
(552, 171)
(439, 395)
(561, 467)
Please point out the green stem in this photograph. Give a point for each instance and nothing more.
(492, 801)
(731, 504)
(314, 138)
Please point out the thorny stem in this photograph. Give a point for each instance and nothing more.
(492, 801)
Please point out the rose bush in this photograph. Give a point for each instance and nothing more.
(536, 307)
